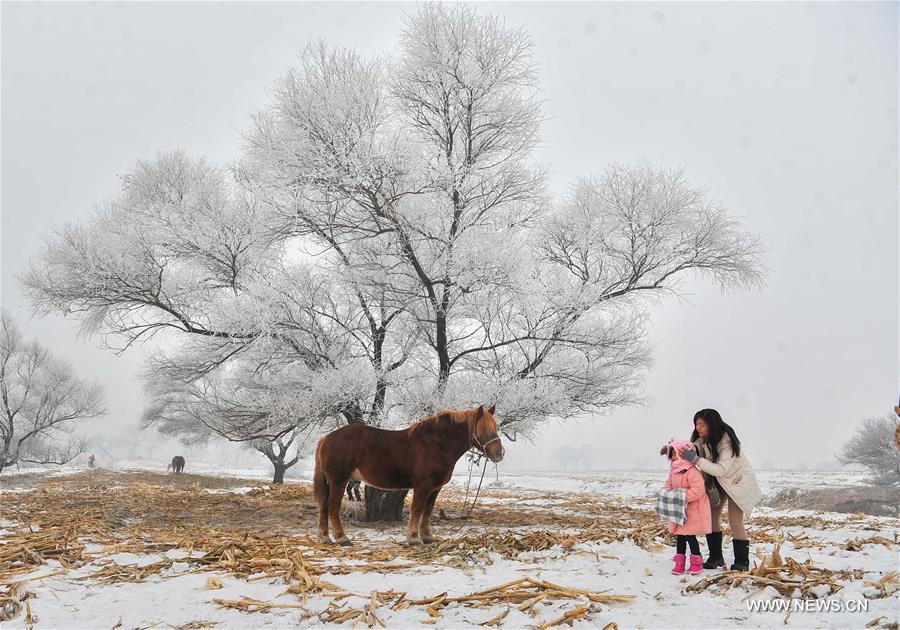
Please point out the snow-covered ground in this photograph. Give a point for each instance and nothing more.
(179, 595)
(644, 483)
(619, 482)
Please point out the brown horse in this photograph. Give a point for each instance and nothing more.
(420, 457)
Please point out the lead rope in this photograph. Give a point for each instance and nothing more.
(478, 491)
(474, 459)
(471, 457)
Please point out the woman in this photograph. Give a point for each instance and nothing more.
(729, 476)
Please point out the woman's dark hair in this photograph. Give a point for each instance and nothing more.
(717, 428)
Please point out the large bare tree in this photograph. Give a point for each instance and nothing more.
(417, 175)
(42, 402)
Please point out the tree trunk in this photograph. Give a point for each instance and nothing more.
(441, 347)
(277, 459)
(384, 505)
(278, 478)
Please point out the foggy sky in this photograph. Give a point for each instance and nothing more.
(786, 113)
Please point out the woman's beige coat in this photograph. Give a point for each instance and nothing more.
(734, 474)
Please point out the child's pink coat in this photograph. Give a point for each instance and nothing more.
(699, 515)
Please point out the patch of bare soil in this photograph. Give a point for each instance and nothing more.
(873, 500)
(100, 475)
(116, 502)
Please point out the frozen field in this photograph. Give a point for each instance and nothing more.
(636, 483)
(139, 549)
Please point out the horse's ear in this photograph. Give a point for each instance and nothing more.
(491, 410)
(480, 411)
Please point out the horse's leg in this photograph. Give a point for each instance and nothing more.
(420, 495)
(334, 509)
(321, 492)
(323, 523)
(425, 524)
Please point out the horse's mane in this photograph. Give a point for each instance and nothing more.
(454, 415)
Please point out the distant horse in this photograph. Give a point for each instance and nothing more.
(420, 457)
(353, 487)
(177, 464)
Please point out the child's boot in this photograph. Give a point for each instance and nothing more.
(679, 559)
(696, 565)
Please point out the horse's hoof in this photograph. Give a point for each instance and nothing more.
(427, 540)
(413, 542)
(343, 541)
(324, 539)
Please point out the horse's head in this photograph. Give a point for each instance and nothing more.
(486, 435)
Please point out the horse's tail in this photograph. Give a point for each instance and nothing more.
(320, 482)
(168, 467)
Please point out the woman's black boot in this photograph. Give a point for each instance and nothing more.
(741, 555)
(714, 559)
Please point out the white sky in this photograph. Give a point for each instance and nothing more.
(787, 113)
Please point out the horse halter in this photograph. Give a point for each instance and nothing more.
(481, 446)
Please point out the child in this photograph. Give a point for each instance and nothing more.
(698, 520)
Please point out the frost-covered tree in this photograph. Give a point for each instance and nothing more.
(276, 410)
(416, 174)
(873, 446)
(42, 402)
(186, 255)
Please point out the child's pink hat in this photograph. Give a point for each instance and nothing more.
(680, 465)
